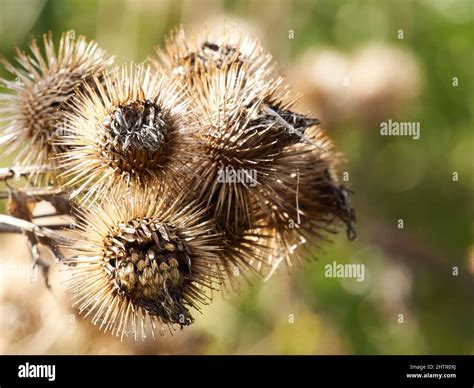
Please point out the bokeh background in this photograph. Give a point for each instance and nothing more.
(356, 64)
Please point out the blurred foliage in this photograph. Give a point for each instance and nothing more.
(408, 271)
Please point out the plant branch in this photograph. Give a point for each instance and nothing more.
(9, 224)
(41, 192)
(19, 171)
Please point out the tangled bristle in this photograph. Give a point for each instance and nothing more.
(133, 126)
(36, 101)
(145, 256)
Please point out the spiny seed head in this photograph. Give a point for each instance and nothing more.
(139, 125)
(242, 128)
(143, 258)
(195, 56)
(38, 97)
(245, 125)
(187, 54)
(126, 129)
(306, 202)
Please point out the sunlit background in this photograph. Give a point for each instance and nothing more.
(356, 64)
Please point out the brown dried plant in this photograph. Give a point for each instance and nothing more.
(182, 175)
(144, 256)
(130, 126)
(35, 103)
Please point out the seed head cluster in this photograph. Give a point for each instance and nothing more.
(187, 174)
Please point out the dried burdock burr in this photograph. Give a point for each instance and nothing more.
(244, 125)
(246, 249)
(233, 155)
(34, 104)
(307, 203)
(189, 57)
(185, 173)
(143, 258)
(185, 54)
(128, 128)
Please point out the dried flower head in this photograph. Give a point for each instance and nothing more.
(143, 258)
(196, 56)
(37, 98)
(130, 127)
(186, 54)
(306, 203)
(244, 125)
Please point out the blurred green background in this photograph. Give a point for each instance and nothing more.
(357, 64)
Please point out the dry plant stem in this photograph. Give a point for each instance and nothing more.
(37, 260)
(40, 192)
(36, 235)
(17, 172)
(7, 173)
(55, 195)
(9, 224)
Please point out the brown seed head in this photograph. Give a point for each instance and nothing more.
(186, 54)
(44, 84)
(243, 127)
(143, 258)
(306, 202)
(134, 128)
